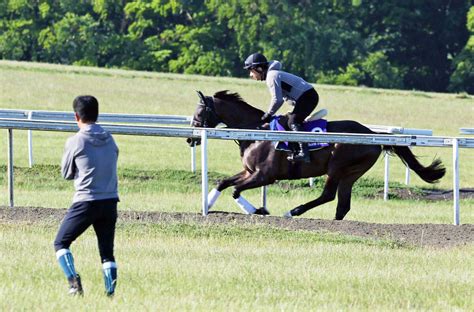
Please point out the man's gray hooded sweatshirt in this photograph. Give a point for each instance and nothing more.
(283, 86)
(90, 158)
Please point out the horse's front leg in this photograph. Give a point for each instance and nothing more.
(254, 180)
(222, 185)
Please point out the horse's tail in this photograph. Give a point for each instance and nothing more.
(430, 174)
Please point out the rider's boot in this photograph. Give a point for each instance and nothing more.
(302, 153)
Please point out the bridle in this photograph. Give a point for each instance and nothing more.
(209, 118)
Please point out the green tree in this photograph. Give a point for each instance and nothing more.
(18, 31)
(462, 78)
(167, 32)
(72, 40)
(380, 73)
(418, 37)
(416, 44)
(307, 36)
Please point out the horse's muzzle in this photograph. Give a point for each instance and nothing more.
(193, 141)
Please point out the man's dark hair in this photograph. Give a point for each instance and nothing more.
(87, 107)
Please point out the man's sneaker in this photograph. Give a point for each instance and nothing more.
(75, 286)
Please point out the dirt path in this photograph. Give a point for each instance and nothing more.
(427, 235)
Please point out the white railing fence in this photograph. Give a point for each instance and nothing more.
(104, 117)
(184, 120)
(469, 131)
(254, 135)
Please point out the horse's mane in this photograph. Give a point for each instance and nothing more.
(226, 96)
(235, 98)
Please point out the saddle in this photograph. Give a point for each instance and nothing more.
(313, 123)
(318, 115)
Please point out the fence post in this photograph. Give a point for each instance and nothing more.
(204, 172)
(407, 173)
(10, 166)
(264, 196)
(385, 183)
(456, 180)
(30, 141)
(193, 158)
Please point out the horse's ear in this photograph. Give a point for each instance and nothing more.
(201, 96)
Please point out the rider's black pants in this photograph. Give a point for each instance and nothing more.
(303, 107)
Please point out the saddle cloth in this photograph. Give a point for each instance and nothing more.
(318, 125)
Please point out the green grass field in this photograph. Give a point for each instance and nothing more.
(192, 267)
(186, 267)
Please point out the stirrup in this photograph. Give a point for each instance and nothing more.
(297, 157)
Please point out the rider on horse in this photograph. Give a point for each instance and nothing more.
(284, 86)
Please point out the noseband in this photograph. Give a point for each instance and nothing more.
(210, 118)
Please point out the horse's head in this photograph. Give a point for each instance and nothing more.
(227, 108)
(204, 116)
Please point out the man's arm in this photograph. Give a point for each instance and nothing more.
(68, 166)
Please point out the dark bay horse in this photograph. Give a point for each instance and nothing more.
(263, 165)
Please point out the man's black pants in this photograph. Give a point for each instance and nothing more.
(101, 214)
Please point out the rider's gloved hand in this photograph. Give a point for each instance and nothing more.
(266, 118)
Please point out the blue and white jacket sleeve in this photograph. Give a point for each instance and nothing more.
(68, 166)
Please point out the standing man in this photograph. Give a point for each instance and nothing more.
(90, 158)
(285, 86)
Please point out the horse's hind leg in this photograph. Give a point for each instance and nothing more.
(344, 191)
(344, 194)
(328, 194)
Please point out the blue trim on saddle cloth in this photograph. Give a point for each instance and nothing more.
(311, 126)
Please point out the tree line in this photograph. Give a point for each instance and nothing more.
(422, 44)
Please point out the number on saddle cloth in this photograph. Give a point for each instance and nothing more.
(311, 125)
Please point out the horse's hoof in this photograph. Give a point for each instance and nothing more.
(288, 215)
(262, 211)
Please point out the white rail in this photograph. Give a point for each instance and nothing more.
(469, 131)
(400, 130)
(104, 117)
(257, 135)
(180, 120)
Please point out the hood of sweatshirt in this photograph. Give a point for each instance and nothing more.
(95, 134)
(274, 65)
